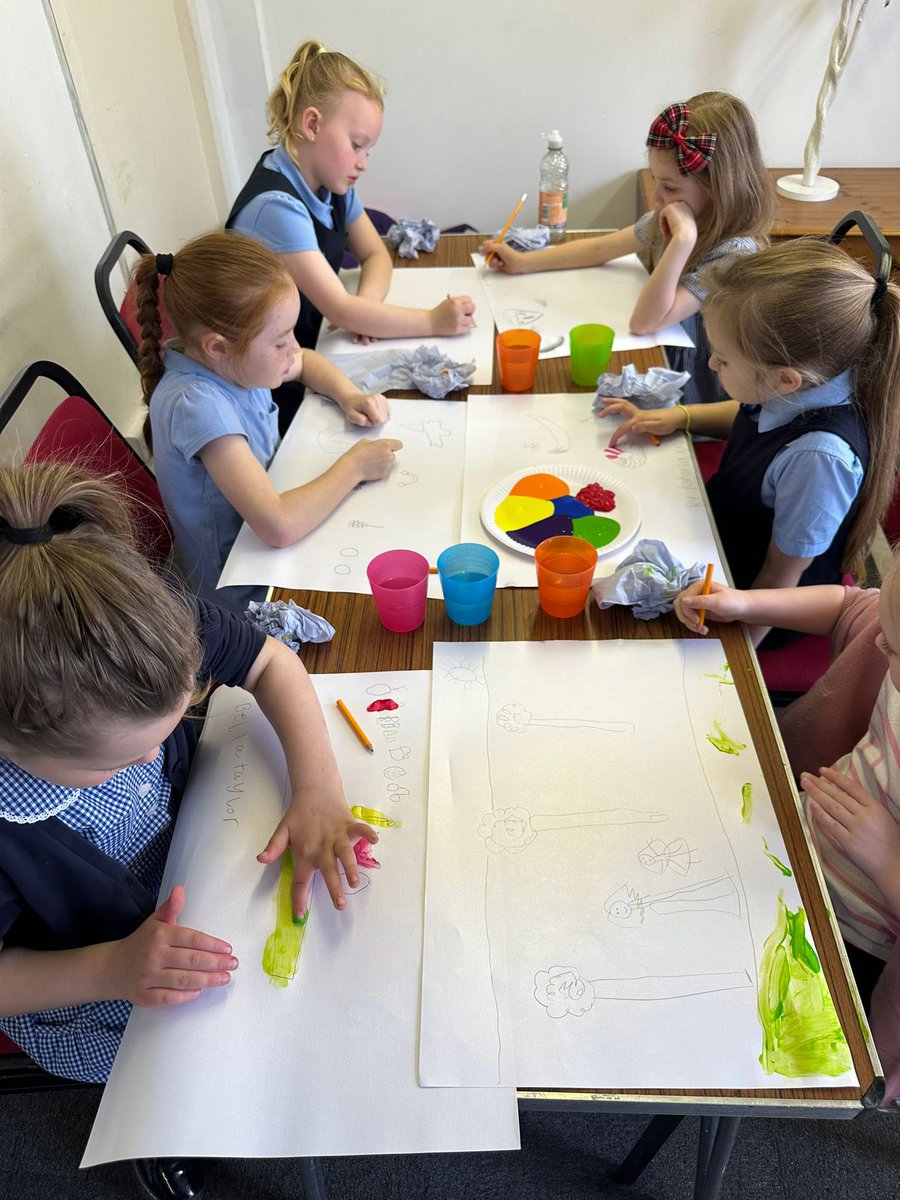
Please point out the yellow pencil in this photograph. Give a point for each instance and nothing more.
(707, 582)
(503, 231)
(355, 726)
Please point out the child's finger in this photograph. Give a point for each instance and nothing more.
(276, 845)
(332, 878)
(170, 908)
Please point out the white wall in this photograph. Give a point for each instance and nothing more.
(471, 84)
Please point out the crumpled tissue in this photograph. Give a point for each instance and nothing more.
(424, 369)
(412, 236)
(648, 580)
(658, 388)
(527, 239)
(289, 623)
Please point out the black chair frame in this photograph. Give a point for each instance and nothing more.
(102, 273)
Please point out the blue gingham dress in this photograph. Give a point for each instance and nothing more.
(128, 818)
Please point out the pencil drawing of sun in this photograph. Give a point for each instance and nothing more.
(465, 674)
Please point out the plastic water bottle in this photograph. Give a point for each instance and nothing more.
(554, 203)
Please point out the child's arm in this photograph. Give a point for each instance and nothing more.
(370, 252)
(318, 825)
(714, 420)
(280, 519)
(582, 252)
(809, 609)
(850, 817)
(372, 318)
(323, 376)
(161, 963)
(662, 300)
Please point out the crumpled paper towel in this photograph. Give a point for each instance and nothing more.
(425, 369)
(412, 236)
(289, 623)
(527, 239)
(658, 388)
(648, 580)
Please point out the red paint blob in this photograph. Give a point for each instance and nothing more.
(382, 706)
(600, 499)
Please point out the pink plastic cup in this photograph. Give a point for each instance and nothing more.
(399, 582)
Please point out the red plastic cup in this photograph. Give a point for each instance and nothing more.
(565, 568)
(517, 353)
(399, 582)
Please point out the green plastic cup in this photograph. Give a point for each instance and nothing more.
(590, 347)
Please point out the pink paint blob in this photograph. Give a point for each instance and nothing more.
(361, 848)
(382, 706)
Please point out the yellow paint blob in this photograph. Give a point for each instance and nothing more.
(515, 512)
(282, 949)
(373, 817)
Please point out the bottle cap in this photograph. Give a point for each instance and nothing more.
(554, 139)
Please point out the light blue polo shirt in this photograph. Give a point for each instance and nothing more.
(812, 482)
(284, 223)
(191, 407)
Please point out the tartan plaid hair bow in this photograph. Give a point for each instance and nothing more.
(692, 154)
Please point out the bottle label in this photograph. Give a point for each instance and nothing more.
(554, 209)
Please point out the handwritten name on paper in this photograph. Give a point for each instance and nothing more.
(237, 740)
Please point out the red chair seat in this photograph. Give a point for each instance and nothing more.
(709, 455)
(7, 1046)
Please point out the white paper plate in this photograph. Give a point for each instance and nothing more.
(627, 511)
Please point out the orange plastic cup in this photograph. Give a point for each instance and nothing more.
(517, 352)
(565, 568)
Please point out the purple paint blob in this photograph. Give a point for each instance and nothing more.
(533, 535)
(382, 706)
(363, 857)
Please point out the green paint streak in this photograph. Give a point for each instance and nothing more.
(777, 861)
(725, 676)
(746, 802)
(599, 531)
(283, 945)
(724, 743)
(801, 1031)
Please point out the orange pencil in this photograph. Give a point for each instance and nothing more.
(504, 230)
(655, 440)
(707, 582)
(355, 726)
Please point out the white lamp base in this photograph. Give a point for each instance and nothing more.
(793, 188)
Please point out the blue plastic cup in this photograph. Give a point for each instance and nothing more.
(468, 574)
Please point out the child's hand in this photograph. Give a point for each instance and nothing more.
(373, 459)
(321, 832)
(677, 221)
(361, 409)
(657, 421)
(722, 604)
(507, 260)
(850, 817)
(162, 963)
(453, 316)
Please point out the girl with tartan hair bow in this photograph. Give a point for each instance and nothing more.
(712, 200)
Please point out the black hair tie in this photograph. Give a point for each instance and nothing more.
(164, 264)
(26, 537)
(880, 291)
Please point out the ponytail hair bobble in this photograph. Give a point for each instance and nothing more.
(880, 291)
(164, 263)
(33, 536)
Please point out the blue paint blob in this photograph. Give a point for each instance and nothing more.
(568, 506)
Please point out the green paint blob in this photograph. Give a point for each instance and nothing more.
(724, 677)
(722, 742)
(746, 802)
(801, 1031)
(599, 531)
(282, 949)
(777, 861)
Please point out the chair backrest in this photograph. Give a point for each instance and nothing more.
(78, 431)
(123, 318)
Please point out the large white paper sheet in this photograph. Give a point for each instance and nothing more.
(552, 302)
(415, 508)
(506, 433)
(326, 1065)
(620, 860)
(424, 289)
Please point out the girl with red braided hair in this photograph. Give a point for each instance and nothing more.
(712, 200)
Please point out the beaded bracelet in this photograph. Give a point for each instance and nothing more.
(687, 418)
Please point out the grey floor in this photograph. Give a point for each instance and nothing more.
(564, 1156)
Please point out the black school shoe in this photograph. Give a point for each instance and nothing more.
(170, 1178)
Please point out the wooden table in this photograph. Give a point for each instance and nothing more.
(875, 190)
(362, 644)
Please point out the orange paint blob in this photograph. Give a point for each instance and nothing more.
(544, 487)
